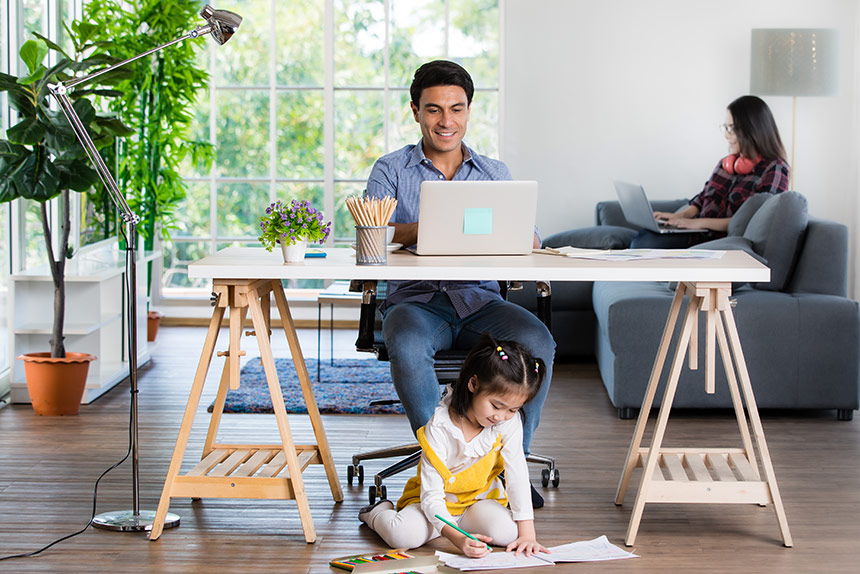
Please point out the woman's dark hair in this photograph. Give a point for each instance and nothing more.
(512, 369)
(440, 73)
(756, 129)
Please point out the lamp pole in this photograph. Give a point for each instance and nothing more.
(221, 24)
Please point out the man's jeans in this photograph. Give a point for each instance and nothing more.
(413, 332)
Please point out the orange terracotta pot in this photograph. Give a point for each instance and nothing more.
(56, 385)
(153, 320)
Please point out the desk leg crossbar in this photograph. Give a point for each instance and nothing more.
(701, 475)
(272, 471)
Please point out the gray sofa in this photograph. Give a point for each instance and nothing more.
(800, 332)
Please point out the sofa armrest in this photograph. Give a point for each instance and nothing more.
(822, 265)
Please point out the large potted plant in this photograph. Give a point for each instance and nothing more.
(157, 103)
(41, 159)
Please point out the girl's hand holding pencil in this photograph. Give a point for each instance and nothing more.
(473, 545)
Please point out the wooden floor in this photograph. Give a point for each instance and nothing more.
(48, 466)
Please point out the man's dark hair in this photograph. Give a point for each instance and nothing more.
(756, 129)
(440, 73)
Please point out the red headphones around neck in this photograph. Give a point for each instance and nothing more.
(738, 164)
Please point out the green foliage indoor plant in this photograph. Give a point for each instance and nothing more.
(41, 159)
(157, 103)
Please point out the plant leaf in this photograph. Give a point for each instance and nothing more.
(84, 30)
(29, 131)
(38, 182)
(85, 110)
(76, 175)
(32, 53)
(21, 101)
(52, 45)
(114, 127)
(34, 76)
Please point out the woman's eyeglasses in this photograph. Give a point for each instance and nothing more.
(727, 129)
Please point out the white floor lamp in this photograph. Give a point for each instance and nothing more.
(221, 24)
(794, 62)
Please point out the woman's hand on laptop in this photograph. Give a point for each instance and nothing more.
(667, 218)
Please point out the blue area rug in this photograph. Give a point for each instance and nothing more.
(348, 387)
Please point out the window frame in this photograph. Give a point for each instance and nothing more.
(213, 241)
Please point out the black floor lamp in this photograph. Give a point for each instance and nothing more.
(222, 25)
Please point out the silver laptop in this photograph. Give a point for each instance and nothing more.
(476, 217)
(637, 209)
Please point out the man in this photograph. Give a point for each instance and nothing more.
(422, 317)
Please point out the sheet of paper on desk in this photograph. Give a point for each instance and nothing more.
(597, 550)
(631, 254)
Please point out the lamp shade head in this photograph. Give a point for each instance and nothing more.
(794, 62)
(224, 23)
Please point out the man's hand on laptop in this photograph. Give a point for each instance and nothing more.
(406, 233)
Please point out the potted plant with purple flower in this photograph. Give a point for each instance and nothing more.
(293, 226)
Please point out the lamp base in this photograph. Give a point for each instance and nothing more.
(127, 521)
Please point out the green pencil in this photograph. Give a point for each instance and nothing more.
(463, 532)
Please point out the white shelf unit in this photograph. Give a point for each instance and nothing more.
(95, 317)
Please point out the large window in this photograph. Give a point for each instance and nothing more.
(306, 96)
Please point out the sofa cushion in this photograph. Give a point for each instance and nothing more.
(776, 232)
(739, 221)
(732, 243)
(596, 237)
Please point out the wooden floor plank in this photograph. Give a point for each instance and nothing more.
(48, 466)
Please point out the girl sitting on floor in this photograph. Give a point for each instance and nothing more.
(474, 435)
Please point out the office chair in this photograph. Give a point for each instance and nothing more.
(447, 364)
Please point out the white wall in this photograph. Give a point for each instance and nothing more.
(636, 90)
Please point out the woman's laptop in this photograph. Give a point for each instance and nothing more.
(637, 209)
(476, 217)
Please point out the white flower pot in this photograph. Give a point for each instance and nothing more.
(294, 253)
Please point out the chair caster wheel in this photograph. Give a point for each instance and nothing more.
(374, 493)
(548, 476)
(355, 470)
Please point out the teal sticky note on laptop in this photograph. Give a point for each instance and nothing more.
(478, 221)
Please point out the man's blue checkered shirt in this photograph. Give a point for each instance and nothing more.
(399, 175)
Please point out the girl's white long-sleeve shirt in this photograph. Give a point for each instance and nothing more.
(450, 445)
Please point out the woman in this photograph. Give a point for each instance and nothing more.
(755, 164)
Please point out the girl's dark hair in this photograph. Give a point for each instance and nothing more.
(440, 73)
(520, 372)
(756, 129)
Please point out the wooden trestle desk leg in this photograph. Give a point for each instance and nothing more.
(271, 471)
(701, 475)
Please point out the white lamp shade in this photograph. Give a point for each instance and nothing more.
(794, 62)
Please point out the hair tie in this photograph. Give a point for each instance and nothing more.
(537, 367)
(501, 353)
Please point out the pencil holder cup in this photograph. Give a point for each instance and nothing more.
(370, 247)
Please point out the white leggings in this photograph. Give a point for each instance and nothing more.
(409, 528)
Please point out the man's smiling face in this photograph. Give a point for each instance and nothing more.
(443, 114)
